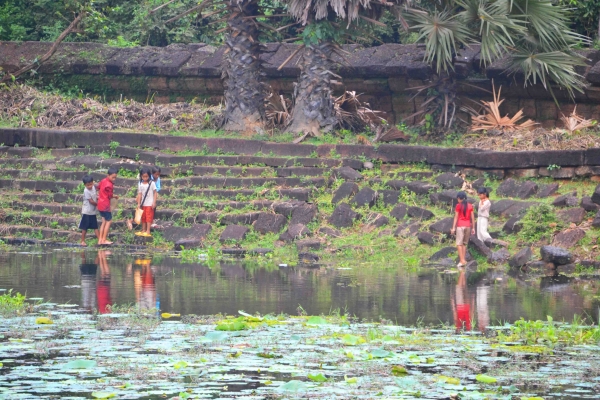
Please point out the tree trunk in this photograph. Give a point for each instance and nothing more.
(313, 106)
(242, 70)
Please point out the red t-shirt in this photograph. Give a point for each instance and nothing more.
(105, 193)
(463, 220)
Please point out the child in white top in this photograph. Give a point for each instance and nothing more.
(483, 214)
(89, 209)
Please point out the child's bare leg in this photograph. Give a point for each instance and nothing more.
(83, 232)
(461, 254)
(97, 233)
(101, 232)
(148, 226)
(106, 241)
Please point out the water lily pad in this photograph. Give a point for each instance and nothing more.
(399, 370)
(317, 377)
(352, 340)
(293, 386)
(43, 321)
(350, 380)
(316, 321)
(103, 395)
(485, 378)
(80, 364)
(381, 353)
(180, 365)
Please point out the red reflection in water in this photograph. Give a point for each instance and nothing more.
(103, 287)
(465, 303)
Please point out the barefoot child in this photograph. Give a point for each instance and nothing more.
(156, 178)
(88, 211)
(483, 214)
(105, 194)
(146, 200)
(463, 225)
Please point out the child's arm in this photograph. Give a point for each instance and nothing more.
(138, 199)
(155, 196)
(92, 202)
(472, 223)
(454, 223)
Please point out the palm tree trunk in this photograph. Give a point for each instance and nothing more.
(242, 70)
(313, 105)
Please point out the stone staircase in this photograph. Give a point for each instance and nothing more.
(223, 199)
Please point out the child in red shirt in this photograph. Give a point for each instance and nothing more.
(105, 194)
(464, 226)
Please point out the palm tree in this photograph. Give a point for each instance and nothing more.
(313, 110)
(533, 36)
(242, 70)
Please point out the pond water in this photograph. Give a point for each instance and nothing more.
(95, 279)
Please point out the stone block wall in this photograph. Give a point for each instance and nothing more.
(383, 75)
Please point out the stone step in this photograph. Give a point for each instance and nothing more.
(48, 233)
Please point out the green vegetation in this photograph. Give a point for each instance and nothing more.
(12, 304)
(539, 223)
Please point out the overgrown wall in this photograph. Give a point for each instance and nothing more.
(564, 164)
(382, 74)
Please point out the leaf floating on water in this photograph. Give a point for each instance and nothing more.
(399, 370)
(532, 398)
(80, 364)
(43, 321)
(317, 377)
(250, 317)
(485, 378)
(216, 336)
(350, 380)
(180, 365)
(352, 340)
(293, 386)
(167, 315)
(381, 353)
(316, 320)
(103, 395)
(67, 305)
(449, 380)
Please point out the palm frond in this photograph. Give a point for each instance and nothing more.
(442, 32)
(492, 119)
(496, 29)
(576, 122)
(557, 66)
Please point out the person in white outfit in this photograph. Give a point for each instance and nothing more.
(483, 214)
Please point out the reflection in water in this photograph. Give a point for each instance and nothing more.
(464, 302)
(470, 300)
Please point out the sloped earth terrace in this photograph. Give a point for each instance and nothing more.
(319, 229)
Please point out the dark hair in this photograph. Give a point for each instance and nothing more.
(113, 170)
(463, 196)
(87, 179)
(156, 169)
(145, 170)
(483, 190)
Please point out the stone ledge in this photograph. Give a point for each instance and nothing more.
(389, 153)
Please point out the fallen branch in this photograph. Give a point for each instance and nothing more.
(183, 14)
(49, 54)
(159, 7)
(287, 60)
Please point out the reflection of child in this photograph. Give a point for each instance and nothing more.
(88, 211)
(103, 287)
(145, 288)
(88, 284)
(461, 306)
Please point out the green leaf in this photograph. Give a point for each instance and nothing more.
(293, 386)
(317, 378)
(103, 395)
(43, 321)
(180, 364)
(449, 380)
(399, 370)
(80, 364)
(316, 321)
(351, 380)
(352, 340)
(381, 353)
(485, 378)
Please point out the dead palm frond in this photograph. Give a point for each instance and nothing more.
(492, 119)
(352, 114)
(575, 122)
(389, 135)
(278, 109)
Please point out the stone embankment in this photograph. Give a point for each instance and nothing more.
(382, 74)
(242, 187)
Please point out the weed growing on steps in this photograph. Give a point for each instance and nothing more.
(539, 223)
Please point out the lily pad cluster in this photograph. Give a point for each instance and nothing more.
(278, 357)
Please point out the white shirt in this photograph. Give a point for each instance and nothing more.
(89, 209)
(484, 208)
(142, 188)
